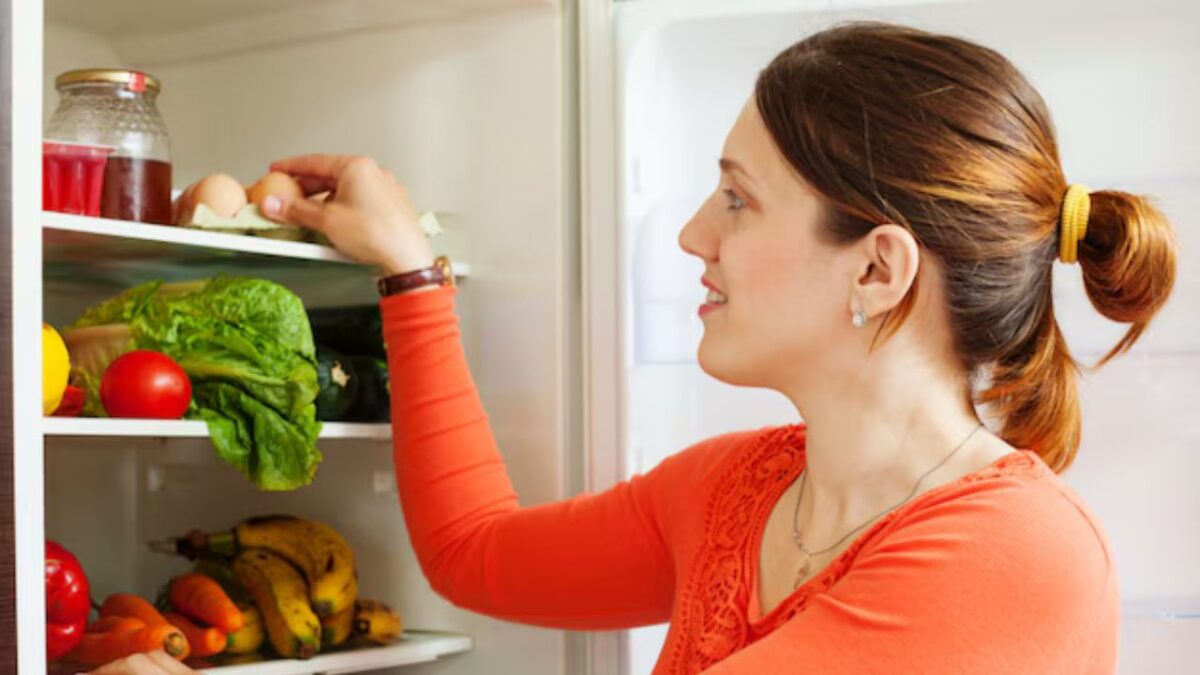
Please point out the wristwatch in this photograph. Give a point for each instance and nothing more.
(439, 274)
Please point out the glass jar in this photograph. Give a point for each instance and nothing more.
(117, 108)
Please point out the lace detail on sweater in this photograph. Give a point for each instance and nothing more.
(715, 623)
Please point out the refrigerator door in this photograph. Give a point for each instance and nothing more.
(1120, 83)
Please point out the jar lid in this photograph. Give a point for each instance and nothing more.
(133, 80)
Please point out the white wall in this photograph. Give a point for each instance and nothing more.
(1120, 82)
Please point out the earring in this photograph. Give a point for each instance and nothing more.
(859, 319)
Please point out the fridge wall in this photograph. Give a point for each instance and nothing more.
(468, 112)
(1119, 79)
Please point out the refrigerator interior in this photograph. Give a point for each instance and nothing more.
(1119, 79)
(464, 102)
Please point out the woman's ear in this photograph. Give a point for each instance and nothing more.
(889, 265)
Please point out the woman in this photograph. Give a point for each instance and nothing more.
(880, 250)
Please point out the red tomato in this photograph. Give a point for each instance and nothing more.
(145, 384)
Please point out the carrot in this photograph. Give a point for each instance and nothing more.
(107, 624)
(125, 636)
(128, 604)
(203, 641)
(202, 599)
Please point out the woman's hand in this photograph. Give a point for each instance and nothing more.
(152, 663)
(368, 215)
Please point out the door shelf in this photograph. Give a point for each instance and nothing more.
(414, 647)
(108, 427)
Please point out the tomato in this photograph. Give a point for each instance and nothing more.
(145, 384)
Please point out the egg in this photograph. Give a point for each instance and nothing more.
(219, 192)
(275, 183)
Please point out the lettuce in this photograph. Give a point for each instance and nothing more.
(247, 346)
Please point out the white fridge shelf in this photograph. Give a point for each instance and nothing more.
(122, 239)
(86, 240)
(109, 427)
(415, 647)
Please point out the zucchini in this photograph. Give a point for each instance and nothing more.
(373, 403)
(337, 385)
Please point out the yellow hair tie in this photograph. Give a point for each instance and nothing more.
(1077, 205)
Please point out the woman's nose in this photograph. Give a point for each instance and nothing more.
(694, 239)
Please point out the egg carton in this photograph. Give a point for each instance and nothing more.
(250, 221)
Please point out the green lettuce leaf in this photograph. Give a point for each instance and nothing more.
(248, 349)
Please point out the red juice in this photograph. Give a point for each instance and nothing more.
(137, 189)
(72, 177)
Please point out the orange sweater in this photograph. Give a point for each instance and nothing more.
(1003, 571)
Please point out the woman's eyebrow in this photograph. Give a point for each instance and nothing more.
(731, 166)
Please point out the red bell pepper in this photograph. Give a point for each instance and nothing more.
(68, 601)
(72, 402)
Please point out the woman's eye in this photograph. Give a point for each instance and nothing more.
(735, 202)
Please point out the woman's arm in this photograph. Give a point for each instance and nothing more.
(1000, 582)
(598, 561)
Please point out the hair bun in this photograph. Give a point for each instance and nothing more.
(1128, 261)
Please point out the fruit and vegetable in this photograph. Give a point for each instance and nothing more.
(246, 347)
(373, 401)
(67, 601)
(115, 637)
(145, 384)
(203, 599)
(72, 402)
(351, 366)
(56, 368)
(317, 550)
(297, 581)
(282, 586)
(337, 385)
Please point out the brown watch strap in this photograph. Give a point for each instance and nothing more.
(440, 274)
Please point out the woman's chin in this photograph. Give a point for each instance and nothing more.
(720, 365)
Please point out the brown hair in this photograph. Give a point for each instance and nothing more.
(948, 140)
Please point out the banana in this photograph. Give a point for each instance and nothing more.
(338, 628)
(377, 622)
(251, 636)
(282, 598)
(317, 549)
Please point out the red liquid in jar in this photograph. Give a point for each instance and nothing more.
(138, 190)
(72, 178)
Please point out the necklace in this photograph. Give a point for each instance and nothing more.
(806, 556)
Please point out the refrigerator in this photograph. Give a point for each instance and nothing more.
(562, 145)
(466, 101)
(1119, 79)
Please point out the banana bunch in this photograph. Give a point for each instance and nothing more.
(281, 596)
(301, 577)
(317, 549)
(320, 553)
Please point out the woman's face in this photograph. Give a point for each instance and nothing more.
(786, 304)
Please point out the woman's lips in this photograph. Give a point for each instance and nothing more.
(713, 294)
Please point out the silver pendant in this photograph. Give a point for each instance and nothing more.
(802, 572)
